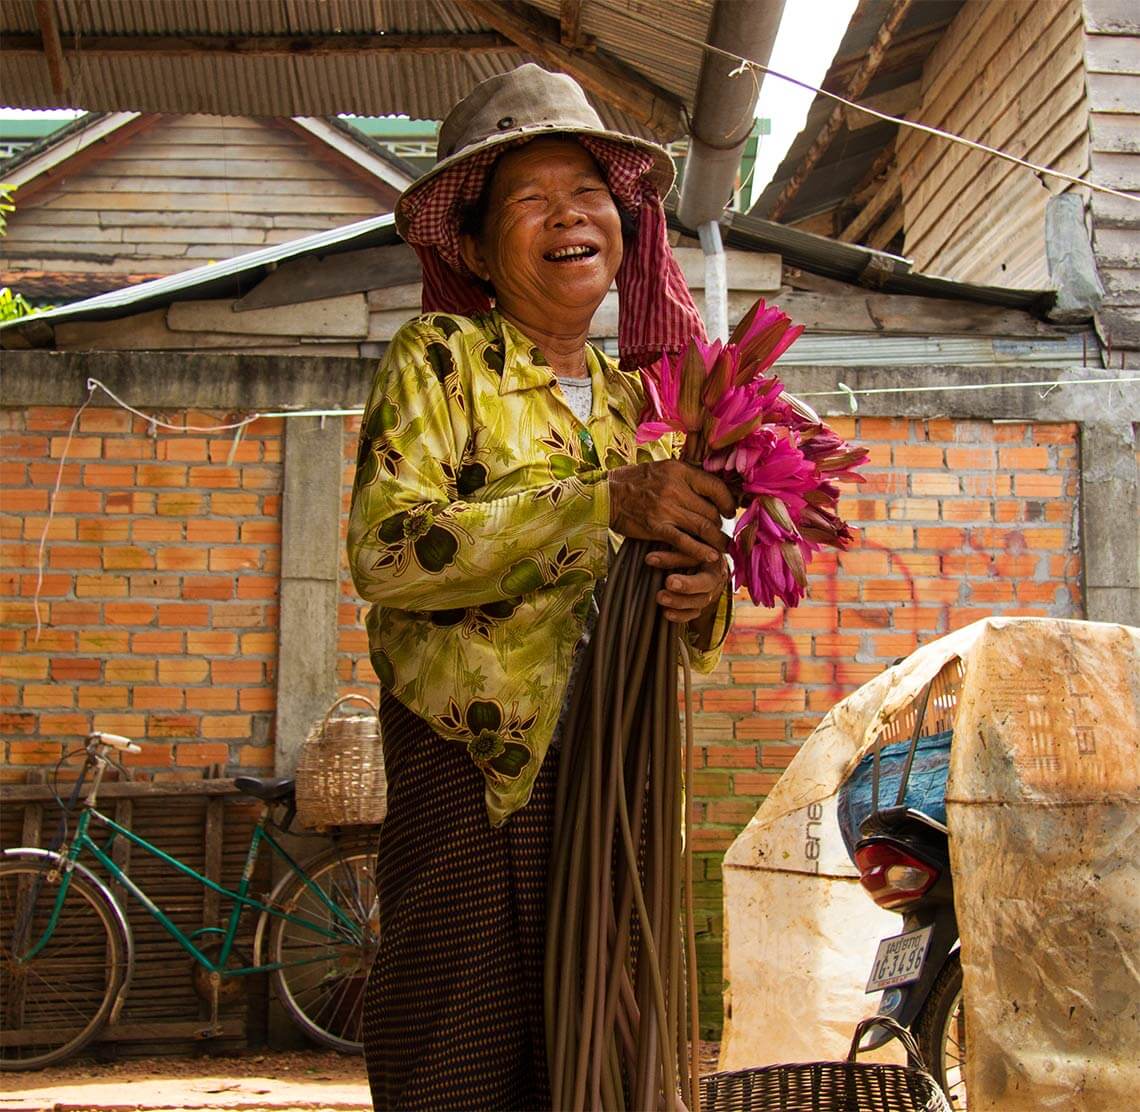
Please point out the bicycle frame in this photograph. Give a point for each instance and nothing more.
(241, 899)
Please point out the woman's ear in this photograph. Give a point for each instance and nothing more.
(472, 255)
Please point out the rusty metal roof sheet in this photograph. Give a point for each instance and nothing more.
(196, 75)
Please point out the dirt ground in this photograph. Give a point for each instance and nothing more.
(263, 1081)
(253, 1082)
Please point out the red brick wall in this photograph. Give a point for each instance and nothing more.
(957, 520)
(159, 594)
(161, 581)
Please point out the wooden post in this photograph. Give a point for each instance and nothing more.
(215, 837)
(647, 103)
(33, 811)
(121, 850)
(53, 48)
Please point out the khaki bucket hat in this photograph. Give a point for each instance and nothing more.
(523, 104)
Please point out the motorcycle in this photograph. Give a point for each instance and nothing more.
(902, 853)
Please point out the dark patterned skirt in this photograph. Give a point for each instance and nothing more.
(453, 1007)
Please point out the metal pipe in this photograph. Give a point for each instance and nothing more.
(725, 106)
(716, 281)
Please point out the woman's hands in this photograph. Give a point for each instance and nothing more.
(682, 507)
(674, 503)
(688, 596)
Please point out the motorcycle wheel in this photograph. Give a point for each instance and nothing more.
(940, 1031)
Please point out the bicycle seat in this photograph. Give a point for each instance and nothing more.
(270, 789)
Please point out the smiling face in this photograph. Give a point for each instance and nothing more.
(551, 238)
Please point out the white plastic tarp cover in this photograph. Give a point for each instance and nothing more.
(1044, 811)
(800, 932)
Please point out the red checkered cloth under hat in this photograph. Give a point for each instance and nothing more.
(655, 309)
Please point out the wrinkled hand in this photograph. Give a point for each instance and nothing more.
(675, 504)
(689, 595)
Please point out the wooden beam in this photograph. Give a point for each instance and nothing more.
(894, 102)
(887, 230)
(287, 46)
(867, 185)
(52, 47)
(570, 23)
(626, 90)
(122, 789)
(314, 279)
(859, 81)
(890, 190)
(905, 53)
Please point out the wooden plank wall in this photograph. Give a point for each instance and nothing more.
(182, 191)
(1112, 59)
(1008, 73)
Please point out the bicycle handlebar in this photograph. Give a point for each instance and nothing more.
(115, 741)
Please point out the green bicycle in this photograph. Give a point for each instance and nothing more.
(67, 952)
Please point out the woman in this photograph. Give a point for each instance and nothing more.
(497, 453)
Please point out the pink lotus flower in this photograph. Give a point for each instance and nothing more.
(735, 414)
(673, 389)
(821, 525)
(762, 336)
(769, 555)
(773, 452)
(832, 454)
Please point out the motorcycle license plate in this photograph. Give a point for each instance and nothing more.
(899, 959)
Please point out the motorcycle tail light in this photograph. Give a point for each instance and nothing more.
(892, 877)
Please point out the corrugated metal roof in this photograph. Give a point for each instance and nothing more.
(852, 153)
(648, 37)
(229, 278)
(850, 262)
(863, 350)
(332, 81)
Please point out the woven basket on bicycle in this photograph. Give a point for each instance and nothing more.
(848, 1086)
(340, 773)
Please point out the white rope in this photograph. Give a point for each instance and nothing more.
(157, 422)
(845, 391)
(51, 509)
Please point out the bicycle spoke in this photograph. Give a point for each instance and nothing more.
(56, 990)
(321, 976)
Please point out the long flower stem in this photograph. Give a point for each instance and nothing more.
(616, 992)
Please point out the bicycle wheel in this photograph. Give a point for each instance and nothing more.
(324, 966)
(54, 1003)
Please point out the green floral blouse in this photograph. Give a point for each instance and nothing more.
(479, 526)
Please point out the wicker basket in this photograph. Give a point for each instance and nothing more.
(340, 774)
(848, 1086)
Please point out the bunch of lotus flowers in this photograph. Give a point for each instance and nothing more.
(779, 459)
